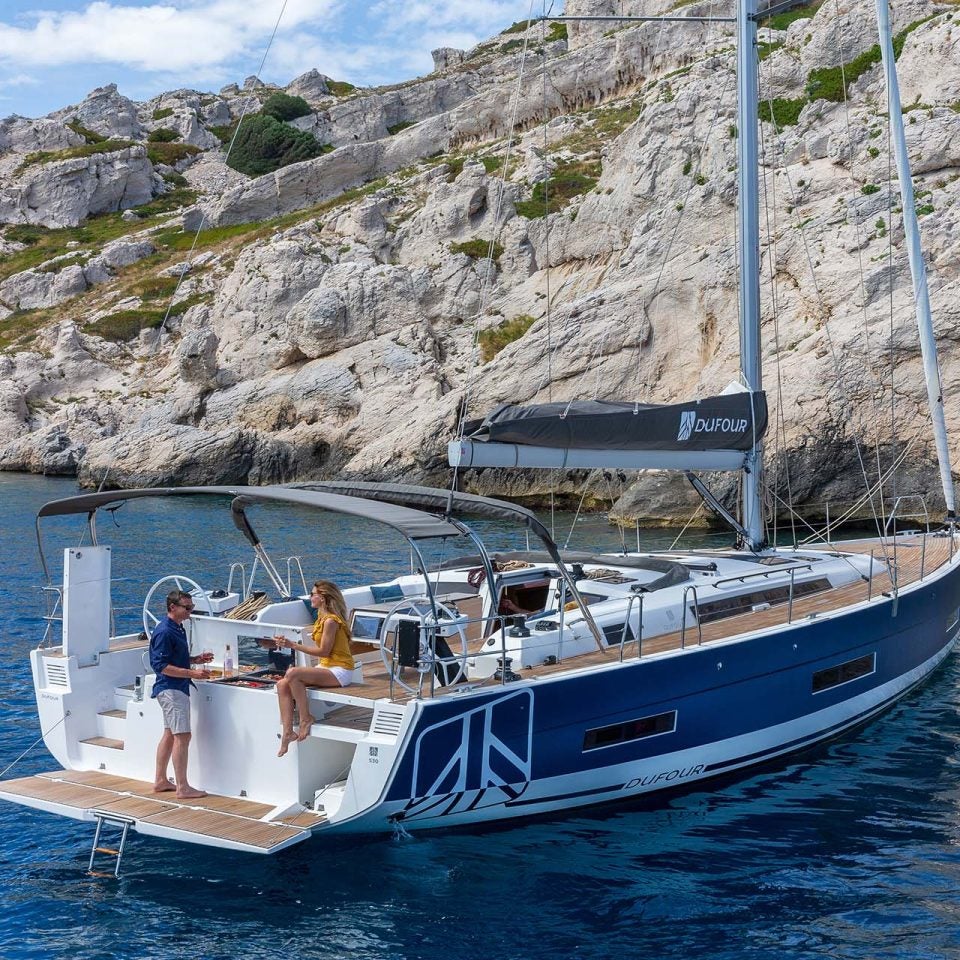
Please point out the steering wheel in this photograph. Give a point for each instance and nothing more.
(426, 660)
(149, 619)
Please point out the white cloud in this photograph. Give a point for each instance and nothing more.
(19, 80)
(168, 36)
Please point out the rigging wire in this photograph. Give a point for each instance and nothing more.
(233, 140)
(494, 233)
(833, 351)
(863, 287)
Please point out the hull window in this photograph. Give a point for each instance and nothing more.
(844, 672)
(618, 733)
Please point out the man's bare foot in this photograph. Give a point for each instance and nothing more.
(305, 724)
(164, 786)
(286, 738)
(190, 793)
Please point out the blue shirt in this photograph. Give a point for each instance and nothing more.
(169, 648)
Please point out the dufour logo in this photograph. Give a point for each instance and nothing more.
(691, 424)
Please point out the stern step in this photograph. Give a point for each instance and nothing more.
(105, 742)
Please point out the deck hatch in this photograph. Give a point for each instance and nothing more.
(630, 730)
(732, 606)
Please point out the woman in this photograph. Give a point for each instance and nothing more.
(331, 637)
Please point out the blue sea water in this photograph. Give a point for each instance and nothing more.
(850, 851)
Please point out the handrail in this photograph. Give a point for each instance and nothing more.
(683, 623)
(626, 624)
(290, 563)
(51, 617)
(243, 578)
(762, 573)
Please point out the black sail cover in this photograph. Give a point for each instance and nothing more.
(731, 421)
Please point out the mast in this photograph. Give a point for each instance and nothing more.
(749, 229)
(928, 343)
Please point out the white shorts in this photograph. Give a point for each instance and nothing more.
(343, 675)
(175, 706)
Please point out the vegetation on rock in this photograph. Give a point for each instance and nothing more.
(281, 106)
(264, 144)
(494, 340)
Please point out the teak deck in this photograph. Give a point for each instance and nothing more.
(219, 818)
(911, 555)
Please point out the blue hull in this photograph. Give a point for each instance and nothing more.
(532, 747)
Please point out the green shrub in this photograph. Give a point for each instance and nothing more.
(490, 164)
(281, 106)
(161, 113)
(82, 150)
(924, 209)
(477, 249)
(340, 88)
(91, 136)
(493, 341)
(517, 27)
(162, 135)
(264, 144)
(170, 153)
(397, 127)
(558, 31)
(510, 46)
(125, 324)
(868, 188)
(569, 180)
(783, 113)
(225, 132)
(781, 21)
(26, 233)
(765, 49)
(455, 168)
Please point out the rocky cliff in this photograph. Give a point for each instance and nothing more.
(335, 317)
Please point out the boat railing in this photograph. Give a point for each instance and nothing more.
(53, 598)
(295, 562)
(690, 588)
(234, 567)
(638, 597)
(767, 573)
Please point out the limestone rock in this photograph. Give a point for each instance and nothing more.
(312, 86)
(64, 193)
(20, 135)
(34, 288)
(446, 57)
(109, 113)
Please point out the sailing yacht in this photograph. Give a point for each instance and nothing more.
(497, 686)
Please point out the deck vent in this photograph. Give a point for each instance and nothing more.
(56, 674)
(387, 723)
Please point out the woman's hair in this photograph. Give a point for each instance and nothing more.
(333, 598)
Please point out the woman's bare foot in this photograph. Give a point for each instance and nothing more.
(305, 724)
(286, 738)
(190, 793)
(163, 786)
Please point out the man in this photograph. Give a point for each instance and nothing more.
(170, 659)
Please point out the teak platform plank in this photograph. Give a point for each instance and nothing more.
(226, 818)
(211, 823)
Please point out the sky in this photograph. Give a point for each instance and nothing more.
(53, 52)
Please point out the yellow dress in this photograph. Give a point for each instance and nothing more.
(340, 655)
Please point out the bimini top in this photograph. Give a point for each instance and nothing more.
(413, 524)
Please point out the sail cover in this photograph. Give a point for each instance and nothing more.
(731, 421)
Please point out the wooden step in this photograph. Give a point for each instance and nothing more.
(119, 714)
(105, 742)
